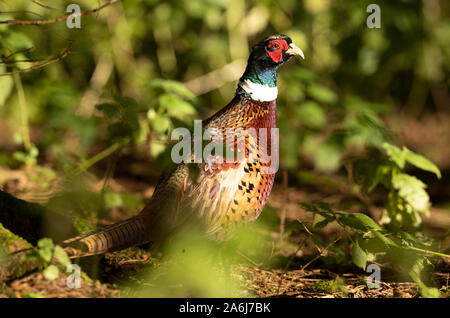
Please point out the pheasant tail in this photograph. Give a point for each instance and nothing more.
(128, 233)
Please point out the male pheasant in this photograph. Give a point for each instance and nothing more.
(225, 194)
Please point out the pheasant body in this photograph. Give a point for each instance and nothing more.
(227, 193)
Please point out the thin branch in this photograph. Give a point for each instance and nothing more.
(43, 5)
(44, 62)
(62, 18)
(6, 58)
(22, 61)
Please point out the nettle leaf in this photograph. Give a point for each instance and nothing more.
(421, 162)
(412, 190)
(51, 272)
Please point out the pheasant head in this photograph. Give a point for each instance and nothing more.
(260, 77)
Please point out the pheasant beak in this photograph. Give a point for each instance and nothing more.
(295, 50)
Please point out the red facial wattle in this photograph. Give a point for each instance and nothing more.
(277, 54)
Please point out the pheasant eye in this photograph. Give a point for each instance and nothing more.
(273, 47)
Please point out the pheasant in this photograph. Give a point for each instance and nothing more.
(225, 195)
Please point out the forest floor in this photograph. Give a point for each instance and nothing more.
(293, 269)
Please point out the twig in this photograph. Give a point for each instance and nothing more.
(62, 18)
(319, 255)
(6, 58)
(43, 63)
(43, 5)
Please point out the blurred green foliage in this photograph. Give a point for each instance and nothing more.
(333, 99)
(138, 69)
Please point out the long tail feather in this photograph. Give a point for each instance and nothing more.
(128, 233)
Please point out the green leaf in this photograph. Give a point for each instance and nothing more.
(367, 221)
(327, 158)
(430, 292)
(322, 94)
(174, 87)
(359, 256)
(370, 172)
(311, 115)
(304, 74)
(127, 103)
(32, 295)
(321, 224)
(61, 256)
(121, 130)
(20, 156)
(412, 190)
(176, 106)
(326, 207)
(17, 41)
(110, 110)
(350, 220)
(385, 239)
(113, 199)
(51, 272)
(399, 156)
(395, 154)
(46, 249)
(421, 162)
(161, 124)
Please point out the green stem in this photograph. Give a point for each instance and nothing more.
(100, 156)
(427, 251)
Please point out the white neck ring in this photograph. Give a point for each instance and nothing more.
(259, 92)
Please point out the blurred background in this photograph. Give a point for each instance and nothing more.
(399, 72)
(103, 98)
